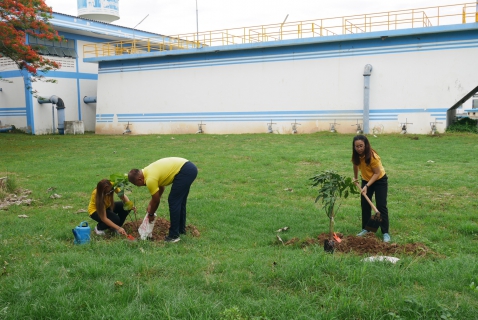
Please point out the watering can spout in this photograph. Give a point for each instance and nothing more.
(77, 237)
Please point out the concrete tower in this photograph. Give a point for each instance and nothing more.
(99, 10)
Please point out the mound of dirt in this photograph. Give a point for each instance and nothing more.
(370, 244)
(161, 229)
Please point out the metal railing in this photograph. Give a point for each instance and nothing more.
(393, 20)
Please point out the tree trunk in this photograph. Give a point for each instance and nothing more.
(331, 226)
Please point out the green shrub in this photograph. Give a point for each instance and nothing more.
(464, 125)
(7, 185)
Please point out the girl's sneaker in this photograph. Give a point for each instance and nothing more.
(99, 232)
(362, 233)
(386, 237)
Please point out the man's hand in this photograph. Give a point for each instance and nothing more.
(151, 217)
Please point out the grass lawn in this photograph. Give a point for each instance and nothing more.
(237, 269)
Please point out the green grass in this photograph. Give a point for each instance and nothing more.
(236, 269)
(8, 185)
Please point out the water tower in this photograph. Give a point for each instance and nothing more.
(99, 10)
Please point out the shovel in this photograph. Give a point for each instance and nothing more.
(130, 237)
(374, 222)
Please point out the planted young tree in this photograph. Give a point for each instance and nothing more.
(121, 184)
(332, 188)
(19, 18)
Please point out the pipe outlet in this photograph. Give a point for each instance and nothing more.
(87, 99)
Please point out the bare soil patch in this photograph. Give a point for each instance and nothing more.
(370, 244)
(161, 229)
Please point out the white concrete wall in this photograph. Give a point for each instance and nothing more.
(83, 66)
(88, 111)
(67, 86)
(66, 90)
(405, 84)
(12, 98)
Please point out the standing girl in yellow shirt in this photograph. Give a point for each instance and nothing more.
(374, 181)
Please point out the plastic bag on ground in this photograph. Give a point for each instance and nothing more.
(381, 258)
(145, 230)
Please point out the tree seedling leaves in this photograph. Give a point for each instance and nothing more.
(332, 187)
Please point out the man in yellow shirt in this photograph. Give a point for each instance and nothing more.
(179, 172)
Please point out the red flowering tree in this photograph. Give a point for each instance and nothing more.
(19, 18)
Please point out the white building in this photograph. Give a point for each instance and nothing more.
(75, 79)
(381, 74)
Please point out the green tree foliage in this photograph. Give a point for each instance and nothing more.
(19, 18)
(332, 187)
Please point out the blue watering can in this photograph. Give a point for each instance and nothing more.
(82, 233)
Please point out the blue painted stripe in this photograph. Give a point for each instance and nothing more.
(240, 113)
(310, 115)
(323, 54)
(52, 74)
(403, 110)
(13, 112)
(10, 74)
(72, 75)
(102, 118)
(78, 87)
(103, 30)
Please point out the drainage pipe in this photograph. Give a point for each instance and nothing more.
(366, 98)
(60, 107)
(89, 99)
(6, 129)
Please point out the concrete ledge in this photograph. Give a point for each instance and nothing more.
(74, 127)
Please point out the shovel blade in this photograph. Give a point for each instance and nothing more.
(373, 224)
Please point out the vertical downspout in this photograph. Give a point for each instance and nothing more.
(366, 98)
(28, 96)
(28, 101)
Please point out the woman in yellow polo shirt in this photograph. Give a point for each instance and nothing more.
(103, 209)
(374, 181)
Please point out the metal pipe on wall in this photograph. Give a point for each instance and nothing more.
(87, 99)
(366, 98)
(60, 107)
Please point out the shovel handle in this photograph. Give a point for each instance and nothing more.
(368, 200)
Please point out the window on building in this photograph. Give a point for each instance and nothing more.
(63, 48)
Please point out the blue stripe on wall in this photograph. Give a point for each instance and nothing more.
(13, 112)
(426, 42)
(106, 117)
(71, 75)
(53, 74)
(10, 74)
(310, 115)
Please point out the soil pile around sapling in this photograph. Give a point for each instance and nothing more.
(161, 229)
(369, 244)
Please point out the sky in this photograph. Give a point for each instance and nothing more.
(174, 17)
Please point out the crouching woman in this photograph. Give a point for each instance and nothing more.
(108, 213)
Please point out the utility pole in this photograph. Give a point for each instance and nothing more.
(197, 24)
